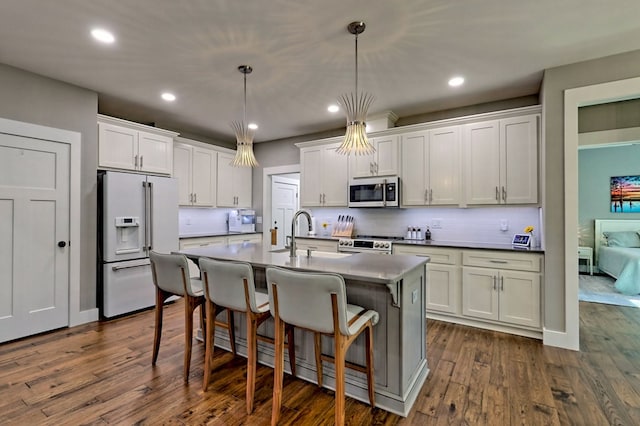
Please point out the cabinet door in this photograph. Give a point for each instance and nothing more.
(520, 298)
(386, 156)
(245, 238)
(414, 159)
(242, 186)
(361, 165)
(444, 166)
(225, 191)
(155, 153)
(480, 295)
(482, 162)
(334, 177)
(519, 148)
(311, 177)
(443, 283)
(117, 147)
(203, 176)
(182, 171)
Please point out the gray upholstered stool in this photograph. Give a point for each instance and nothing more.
(317, 302)
(231, 285)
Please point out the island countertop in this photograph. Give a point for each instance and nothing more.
(374, 268)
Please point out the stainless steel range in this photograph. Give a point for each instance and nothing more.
(367, 244)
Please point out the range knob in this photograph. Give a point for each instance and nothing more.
(387, 245)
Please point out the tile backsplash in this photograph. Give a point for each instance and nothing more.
(198, 221)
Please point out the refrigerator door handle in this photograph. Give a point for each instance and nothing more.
(145, 244)
(150, 220)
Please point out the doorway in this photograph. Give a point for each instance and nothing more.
(285, 201)
(268, 174)
(574, 99)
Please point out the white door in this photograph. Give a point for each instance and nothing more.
(34, 236)
(284, 203)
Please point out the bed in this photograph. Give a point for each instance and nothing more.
(617, 248)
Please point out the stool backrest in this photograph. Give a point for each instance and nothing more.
(171, 273)
(224, 281)
(304, 299)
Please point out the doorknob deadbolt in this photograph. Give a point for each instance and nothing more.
(62, 244)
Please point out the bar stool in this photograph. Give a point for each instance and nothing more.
(171, 278)
(317, 302)
(230, 285)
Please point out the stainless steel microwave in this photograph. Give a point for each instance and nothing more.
(375, 192)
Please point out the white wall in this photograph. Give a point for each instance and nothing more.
(199, 221)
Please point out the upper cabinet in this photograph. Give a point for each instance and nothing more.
(234, 183)
(383, 162)
(431, 167)
(131, 146)
(323, 176)
(196, 170)
(501, 161)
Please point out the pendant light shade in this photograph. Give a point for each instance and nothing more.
(244, 135)
(356, 106)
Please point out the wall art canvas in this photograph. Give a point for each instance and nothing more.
(625, 194)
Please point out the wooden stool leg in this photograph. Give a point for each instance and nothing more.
(278, 371)
(369, 355)
(189, 307)
(208, 342)
(339, 396)
(158, 329)
(317, 343)
(232, 331)
(291, 346)
(252, 354)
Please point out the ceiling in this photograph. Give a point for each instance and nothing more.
(303, 56)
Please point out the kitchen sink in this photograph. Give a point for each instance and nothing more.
(314, 253)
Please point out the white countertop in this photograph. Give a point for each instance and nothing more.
(378, 268)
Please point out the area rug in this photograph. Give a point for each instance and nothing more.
(600, 289)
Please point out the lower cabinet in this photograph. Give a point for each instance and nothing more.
(244, 238)
(187, 243)
(494, 289)
(316, 244)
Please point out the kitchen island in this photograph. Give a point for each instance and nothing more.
(394, 286)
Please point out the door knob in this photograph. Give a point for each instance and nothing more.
(62, 243)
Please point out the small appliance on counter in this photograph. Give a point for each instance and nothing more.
(242, 220)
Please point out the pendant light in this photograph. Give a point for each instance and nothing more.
(244, 135)
(356, 105)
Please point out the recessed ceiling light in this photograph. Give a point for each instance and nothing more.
(252, 126)
(333, 108)
(456, 81)
(103, 35)
(169, 97)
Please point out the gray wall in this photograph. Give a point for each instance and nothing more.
(595, 168)
(34, 99)
(556, 81)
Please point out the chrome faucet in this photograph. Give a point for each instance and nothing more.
(307, 213)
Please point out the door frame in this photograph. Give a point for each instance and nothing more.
(73, 139)
(573, 99)
(267, 174)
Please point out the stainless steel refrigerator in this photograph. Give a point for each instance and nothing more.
(137, 213)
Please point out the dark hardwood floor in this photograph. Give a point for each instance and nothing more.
(101, 373)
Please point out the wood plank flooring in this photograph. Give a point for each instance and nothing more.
(101, 373)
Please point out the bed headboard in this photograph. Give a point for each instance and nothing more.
(611, 225)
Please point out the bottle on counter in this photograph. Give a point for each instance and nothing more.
(408, 237)
(419, 236)
(427, 234)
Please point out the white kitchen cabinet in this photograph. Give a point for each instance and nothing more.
(383, 162)
(323, 177)
(244, 238)
(431, 167)
(502, 287)
(317, 244)
(443, 276)
(131, 146)
(233, 183)
(501, 161)
(196, 171)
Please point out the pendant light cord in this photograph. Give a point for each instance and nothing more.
(244, 109)
(356, 64)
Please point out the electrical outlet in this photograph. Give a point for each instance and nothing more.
(504, 225)
(414, 296)
(436, 223)
(258, 219)
(187, 221)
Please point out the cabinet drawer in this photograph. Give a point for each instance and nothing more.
(437, 255)
(503, 260)
(186, 243)
(315, 244)
(248, 238)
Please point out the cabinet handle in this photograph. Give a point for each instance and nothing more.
(191, 198)
(320, 200)
(141, 161)
(324, 198)
(504, 194)
(501, 283)
(195, 198)
(370, 168)
(135, 161)
(426, 195)
(497, 194)
(494, 283)
(497, 261)
(375, 167)
(430, 196)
